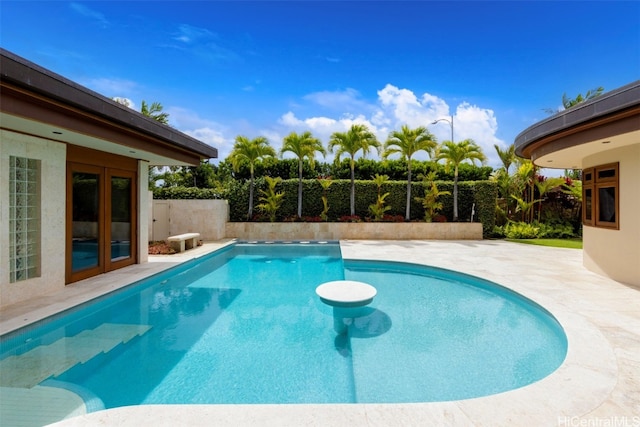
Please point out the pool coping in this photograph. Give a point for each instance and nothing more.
(595, 382)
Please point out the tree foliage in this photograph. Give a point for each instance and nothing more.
(571, 102)
(155, 112)
(357, 139)
(250, 151)
(453, 155)
(407, 142)
(270, 199)
(303, 146)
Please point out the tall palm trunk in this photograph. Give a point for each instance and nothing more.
(455, 195)
(250, 214)
(352, 197)
(408, 211)
(299, 188)
(533, 185)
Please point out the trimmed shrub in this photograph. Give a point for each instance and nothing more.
(534, 230)
(179, 193)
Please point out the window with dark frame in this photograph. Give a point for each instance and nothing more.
(600, 196)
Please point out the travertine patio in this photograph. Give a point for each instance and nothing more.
(598, 384)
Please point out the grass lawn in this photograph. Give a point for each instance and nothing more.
(556, 243)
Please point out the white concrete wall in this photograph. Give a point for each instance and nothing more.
(616, 253)
(207, 217)
(52, 156)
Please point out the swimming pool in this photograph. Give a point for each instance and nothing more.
(245, 326)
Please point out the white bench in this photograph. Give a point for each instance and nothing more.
(185, 241)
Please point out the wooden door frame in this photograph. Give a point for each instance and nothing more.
(106, 165)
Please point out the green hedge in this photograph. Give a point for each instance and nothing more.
(479, 196)
(179, 193)
(476, 196)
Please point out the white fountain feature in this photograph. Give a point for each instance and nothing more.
(347, 297)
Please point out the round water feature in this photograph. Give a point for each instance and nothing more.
(348, 298)
(244, 325)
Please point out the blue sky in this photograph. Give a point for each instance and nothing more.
(265, 68)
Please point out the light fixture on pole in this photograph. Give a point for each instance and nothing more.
(446, 120)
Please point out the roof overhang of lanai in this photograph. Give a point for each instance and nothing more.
(38, 102)
(563, 140)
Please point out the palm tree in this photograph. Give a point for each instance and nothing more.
(407, 142)
(544, 187)
(302, 146)
(507, 156)
(155, 112)
(525, 178)
(250, 150)
(570, 102)
(455, 153)
(357, 138)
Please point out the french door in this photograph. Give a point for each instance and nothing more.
(101, 220)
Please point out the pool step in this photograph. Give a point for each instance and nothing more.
(42, 362)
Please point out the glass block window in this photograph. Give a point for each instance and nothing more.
(24, 218)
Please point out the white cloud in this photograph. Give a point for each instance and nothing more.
(125, 101)
(401, 106)
(90, 13)
(110, 87)
(202, 43)
(345, 100)
(394, 108)
(323, 127)
(481, 125)
(204, 130)
(214, 138)
(189, 34)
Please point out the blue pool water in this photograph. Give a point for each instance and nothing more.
(244, 325)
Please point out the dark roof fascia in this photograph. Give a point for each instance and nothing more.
(32, 77)
(607, 104)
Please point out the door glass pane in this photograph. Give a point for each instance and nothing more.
(120, 218)
(85, 220)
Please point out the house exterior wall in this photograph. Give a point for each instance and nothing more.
(616, 253)
(52, 156)
(143, 212)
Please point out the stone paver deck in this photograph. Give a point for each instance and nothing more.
(598, 383)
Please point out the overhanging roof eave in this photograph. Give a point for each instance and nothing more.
(33, 78)
(609, 104)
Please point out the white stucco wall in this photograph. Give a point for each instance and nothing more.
(616, 253)
(52, 156)
(207, 217)
(143, 212)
